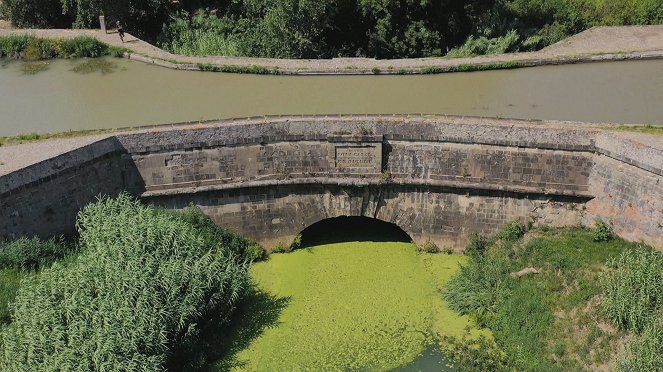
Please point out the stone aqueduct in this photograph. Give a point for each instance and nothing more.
(438, 178)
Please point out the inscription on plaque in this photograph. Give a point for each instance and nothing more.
(355, 157)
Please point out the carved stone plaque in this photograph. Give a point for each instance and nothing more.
(358, 157)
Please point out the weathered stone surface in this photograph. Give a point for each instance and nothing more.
(439, 179)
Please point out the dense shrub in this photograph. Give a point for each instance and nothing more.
(132, 298)
(32, 254)
(33, 48)
(512, 231)
(603, 231)
(646, 352)
(483, 45)
(477, 246)
(478, 286)
(633, 288)
(13, 45)
(429, 247)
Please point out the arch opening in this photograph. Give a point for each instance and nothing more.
(352, 229)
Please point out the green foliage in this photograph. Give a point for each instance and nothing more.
(602, 231)
(479, 286)
(646, 352)
(32, 48)
(513, 230)
(633, 288)
(10, 280)
(520, 311)
(482, 45)
(258, 70)
(13, 45)
(296, 243)
(134, 296)
(465, 67)
(475, 354)
(32, 254)
(429, 247)
(477, 246)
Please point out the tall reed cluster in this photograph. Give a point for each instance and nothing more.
(32, 48)
(133, 297)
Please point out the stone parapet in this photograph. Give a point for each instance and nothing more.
(439, 178)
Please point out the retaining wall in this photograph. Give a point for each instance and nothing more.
(438, 178)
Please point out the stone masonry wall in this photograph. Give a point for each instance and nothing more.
(446, 217)
(438, 178)
(43, 200)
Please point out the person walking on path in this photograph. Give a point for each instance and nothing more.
(120, 30)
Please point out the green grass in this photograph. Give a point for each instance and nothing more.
(648, 129)
(546, 321)
(10, 280)
(473, 67)
(34, 137)
(258, 70)
(345, 306)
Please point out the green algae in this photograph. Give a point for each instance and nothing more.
(367, 305)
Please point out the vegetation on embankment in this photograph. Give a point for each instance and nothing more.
(346, 28)
(581, 299)
(132, 298)
(342, 306)
(32, 48)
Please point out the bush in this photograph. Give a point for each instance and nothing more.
(646, 352)
(512, 231)
(482, 45)
(478, 286)
(32, 254)
(633, 288)
(32, 48)
(13, 45)
(134, 296)
(602, 232)
(429, 247)
(296, 243)
(477, 246)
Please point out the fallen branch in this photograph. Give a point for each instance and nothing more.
(526, 271)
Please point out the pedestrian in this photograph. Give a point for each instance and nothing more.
(120, 30)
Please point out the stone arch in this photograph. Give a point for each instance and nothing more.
(352, 229)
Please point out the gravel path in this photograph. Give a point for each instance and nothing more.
(596, 44)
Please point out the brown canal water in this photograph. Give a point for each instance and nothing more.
(59, 99)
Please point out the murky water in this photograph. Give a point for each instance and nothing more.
(138, 94)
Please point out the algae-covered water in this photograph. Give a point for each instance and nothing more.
(346, 306)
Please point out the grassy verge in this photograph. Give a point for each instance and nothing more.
(555, 317)
(34, 137)
(473, 67)
(32, 48)
(258, 70)
(647, 129)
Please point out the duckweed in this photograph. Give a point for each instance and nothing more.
(350, 306)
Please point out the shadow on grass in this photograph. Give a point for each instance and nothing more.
(352, 229)
(221, 341)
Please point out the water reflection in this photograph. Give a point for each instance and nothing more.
(59, 100)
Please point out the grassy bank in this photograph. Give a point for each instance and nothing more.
(567, 311)
(32, 48)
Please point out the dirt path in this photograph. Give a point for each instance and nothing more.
(596, 44)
